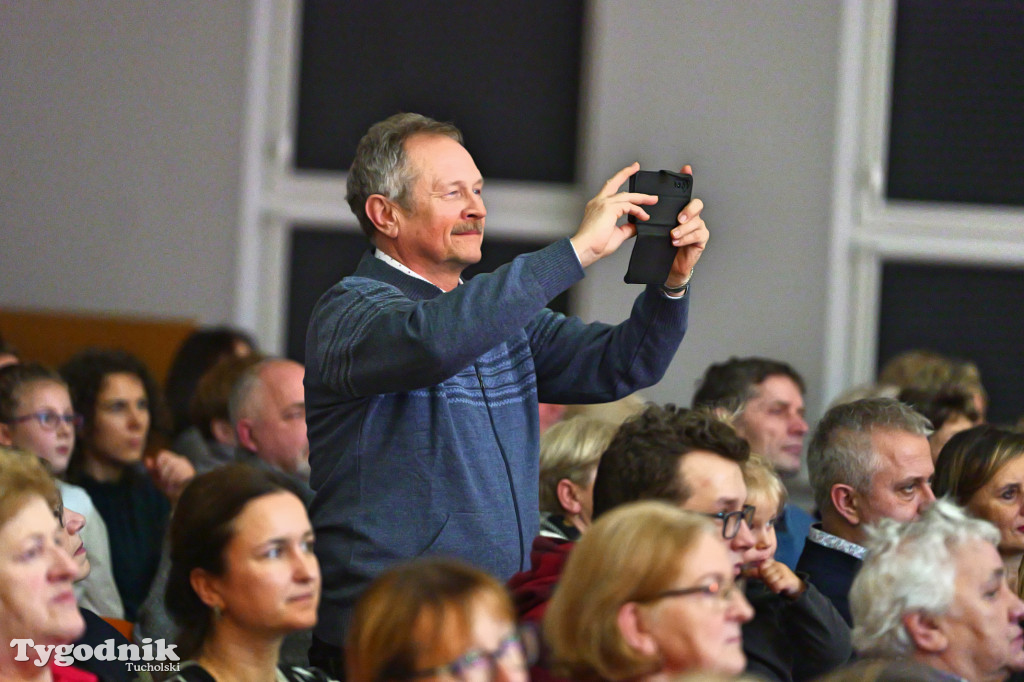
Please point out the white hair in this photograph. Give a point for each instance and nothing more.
(910, 567)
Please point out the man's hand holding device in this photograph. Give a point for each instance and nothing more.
(653, 201)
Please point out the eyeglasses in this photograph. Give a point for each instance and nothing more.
(723, 592)
(514, 653)
(50, 420)
(731, 520)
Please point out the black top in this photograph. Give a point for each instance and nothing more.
(193, 672)
(832, 572)
(98, 632)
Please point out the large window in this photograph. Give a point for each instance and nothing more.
(929, 169)
(322, 71)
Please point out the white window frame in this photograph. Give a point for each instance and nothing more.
(867, 229)
(275, 197)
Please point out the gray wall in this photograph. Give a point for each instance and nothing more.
(120, 149)
(120, 153)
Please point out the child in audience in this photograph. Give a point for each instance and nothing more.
(36, 416)
(796, 634)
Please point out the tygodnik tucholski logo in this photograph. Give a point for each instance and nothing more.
(151, 656)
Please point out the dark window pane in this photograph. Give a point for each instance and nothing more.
(970, 313)
(507, 73)
(957, 119)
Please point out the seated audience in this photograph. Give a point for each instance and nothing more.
(949, 410)
(868, 460)
(36, 416)
(438, 619)
(37, 600)
(569, 454)
(268, 410)
(688, 458)
(203, 349)
(648, 591)
(935, 591)
(982, 469)
(212, 440)
(116, 398)
(243, 575)
(796, 633)
(767, 399)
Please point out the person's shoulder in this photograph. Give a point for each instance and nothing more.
(293, 673)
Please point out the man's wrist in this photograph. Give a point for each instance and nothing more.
(676, 290)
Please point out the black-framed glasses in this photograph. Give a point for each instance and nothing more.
(514, 653)
(722, 591)
(731, 520)
(50, 420)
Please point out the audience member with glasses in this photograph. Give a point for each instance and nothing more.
(437, 619)
(36, 572)
(36, 416)
(648, 591)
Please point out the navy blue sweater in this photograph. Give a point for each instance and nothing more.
(422, 411)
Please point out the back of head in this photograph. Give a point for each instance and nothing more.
(23, 476)
(642, 461)
(841, 450)
(198, 353)
(419, 610)
(909, 568)
(930, 371)
(380, 164)
(570, 449)
(730, 384)
(200, 529)
(632, 553)
(971, 458)
(940, 405)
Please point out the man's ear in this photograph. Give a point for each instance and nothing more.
(844, 499)
(925, 632)
(568, 496)
(634, 630)
(6, 438)
(245, 434)
(223, 432)
(383, 213)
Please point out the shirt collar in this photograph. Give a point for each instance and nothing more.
(401, 268)
(820, 537)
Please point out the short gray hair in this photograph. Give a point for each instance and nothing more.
(841, 449)
(380, 164)
(910, 567)
(570, 449)
(243, 401)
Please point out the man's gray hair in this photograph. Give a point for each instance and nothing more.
(381, 167)
(245, 395)
(841, 449)
(910, 567)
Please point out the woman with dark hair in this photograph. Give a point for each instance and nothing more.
(203, 349)
(435, 619)
(243, 575)
(117, 399)
(982, 469)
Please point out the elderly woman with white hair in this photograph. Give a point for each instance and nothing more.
(935, 591)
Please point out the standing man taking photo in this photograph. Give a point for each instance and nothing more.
(422, 389)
